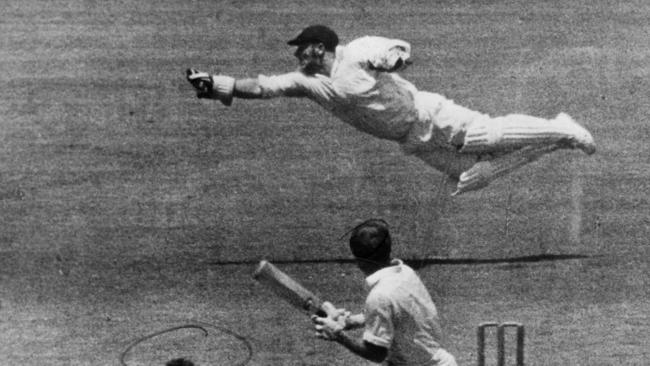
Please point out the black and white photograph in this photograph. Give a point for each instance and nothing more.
(311, 183)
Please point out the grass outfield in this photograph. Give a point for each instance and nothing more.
(123, 196)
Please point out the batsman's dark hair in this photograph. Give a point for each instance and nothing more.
(371, 241)
(179, 362)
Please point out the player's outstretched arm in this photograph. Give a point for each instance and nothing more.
(248, 89)
(219, 87)
(225, 88)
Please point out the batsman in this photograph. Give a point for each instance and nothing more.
(400, 322)
(359, 83)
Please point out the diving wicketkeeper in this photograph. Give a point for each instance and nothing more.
(359, 84)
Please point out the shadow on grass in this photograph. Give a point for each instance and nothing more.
(418, 263)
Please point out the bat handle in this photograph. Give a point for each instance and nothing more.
(309, 304)
(311, 307)
(321, 313)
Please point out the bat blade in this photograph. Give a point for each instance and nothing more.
(287, 288)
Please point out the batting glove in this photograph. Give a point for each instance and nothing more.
(334, 312)
(208, 86)
(328, 328)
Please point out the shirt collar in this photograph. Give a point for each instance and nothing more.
(338, 57)
(338, 52)
(395, 267)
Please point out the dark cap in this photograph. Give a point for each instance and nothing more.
(317, 33)
(371, 240)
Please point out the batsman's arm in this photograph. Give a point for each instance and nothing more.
(333, 330)
(355, 321)
(362, 348)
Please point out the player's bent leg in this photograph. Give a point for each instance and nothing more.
(484, 172)
(515, 131)
(446, 161)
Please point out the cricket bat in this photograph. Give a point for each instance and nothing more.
(288, 288)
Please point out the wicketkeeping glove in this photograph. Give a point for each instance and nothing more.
(208, 86)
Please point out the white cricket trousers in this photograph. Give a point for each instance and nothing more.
(452, 138)
(444, 122)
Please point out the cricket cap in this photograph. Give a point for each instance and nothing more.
(370, 240)
(317, 33)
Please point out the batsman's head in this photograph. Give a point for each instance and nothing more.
(314, 42)
(370, 243)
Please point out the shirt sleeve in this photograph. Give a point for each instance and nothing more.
(377, 53)
(379, 327)
(295, 84)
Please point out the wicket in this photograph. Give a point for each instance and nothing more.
(501, 340)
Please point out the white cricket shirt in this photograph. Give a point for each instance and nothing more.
(401, 316)
(376, 102)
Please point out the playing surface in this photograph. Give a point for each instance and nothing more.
(128, 206)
